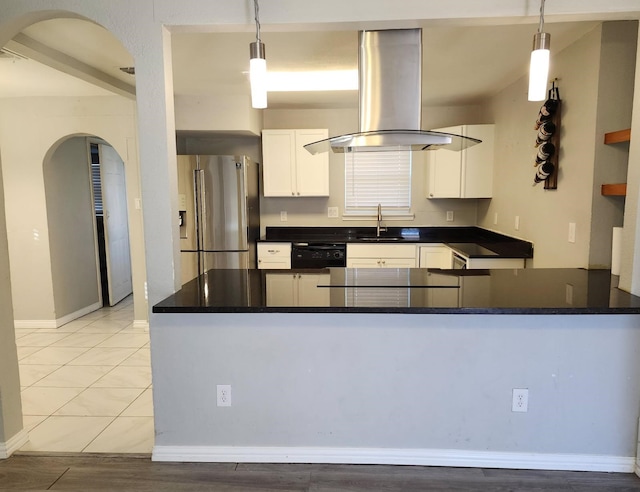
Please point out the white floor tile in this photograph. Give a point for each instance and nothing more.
(87, 340)
(24, 352)
(40, 339)
(77, 324)
(127, 340)
(65, 434)
(141, 357)
(100, 402)
(126, 377)
(31, 374)
(106, 326)
(73, 376)
(125, 435)
(141, 407)
(45, 401)
(103, 356)
(30, 421)
(20, 332)
(53, 355)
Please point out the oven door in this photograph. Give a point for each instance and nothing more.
(459, 262)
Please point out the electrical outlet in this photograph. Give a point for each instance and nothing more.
(332, 212)
(495, 218)
(568, 294)
(283, 216)
(572, 232)
(520, 401)
(224, 395)
(517, 223)
(449, 215)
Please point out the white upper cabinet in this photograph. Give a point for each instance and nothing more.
(462, 174)
(290, 170)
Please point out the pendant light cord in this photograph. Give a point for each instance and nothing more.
(541, 25)
(257, 18)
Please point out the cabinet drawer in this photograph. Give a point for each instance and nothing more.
(359, 250)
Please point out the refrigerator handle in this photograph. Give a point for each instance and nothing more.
(201, 209)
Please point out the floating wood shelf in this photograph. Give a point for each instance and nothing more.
(618, 136)
(618, 189)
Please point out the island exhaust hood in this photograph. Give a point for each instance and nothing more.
(390, 99)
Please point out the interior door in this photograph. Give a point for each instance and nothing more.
(116, 228)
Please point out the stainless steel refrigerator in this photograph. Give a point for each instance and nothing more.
(219, 212)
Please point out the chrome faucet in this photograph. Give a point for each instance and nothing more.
(380, 229)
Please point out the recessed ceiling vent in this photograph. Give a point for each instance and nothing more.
(390, 98)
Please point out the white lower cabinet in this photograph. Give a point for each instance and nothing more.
(274, 256)
(435, 256)
(297, 289)
(381, 255)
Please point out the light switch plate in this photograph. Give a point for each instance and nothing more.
(517, 223)
(572, 232)
(283, 216)
(332, 212)
(449, 215)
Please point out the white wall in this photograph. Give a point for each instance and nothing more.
(29, 127)
(615, 96)
(70, 222)
(10, 404)
(545, 214)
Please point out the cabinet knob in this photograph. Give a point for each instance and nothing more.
(430, 194)
(298, 193)
(292, 193)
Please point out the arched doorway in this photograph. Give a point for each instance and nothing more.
(47, 121)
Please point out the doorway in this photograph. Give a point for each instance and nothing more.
(112, 232)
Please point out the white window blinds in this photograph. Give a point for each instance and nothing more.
(377, 177)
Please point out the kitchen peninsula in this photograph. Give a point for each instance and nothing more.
(426, 382)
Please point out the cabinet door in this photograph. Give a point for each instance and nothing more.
(435, 256)
(312, 171)
(398, 262)
(445, 170)
(278, 156)
(477, 163)
(281, 289)
(363, 262)
(274, 256)
(309, 294)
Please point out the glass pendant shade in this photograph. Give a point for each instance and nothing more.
(539, 67)
(258, 76)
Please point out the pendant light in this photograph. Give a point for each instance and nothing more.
(539, 67)
(258, 67)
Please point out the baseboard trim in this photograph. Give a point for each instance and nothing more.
(78, 314)
(422, 457)
(56, 323)
(141, 324)
(13, 444)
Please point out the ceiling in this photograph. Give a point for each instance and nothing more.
(462, 65)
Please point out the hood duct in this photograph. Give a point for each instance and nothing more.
(390, 99)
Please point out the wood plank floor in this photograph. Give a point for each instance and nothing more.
(100, 472)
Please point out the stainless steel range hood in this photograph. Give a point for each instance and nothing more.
(390, 98)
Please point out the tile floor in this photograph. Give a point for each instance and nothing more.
(86, 386)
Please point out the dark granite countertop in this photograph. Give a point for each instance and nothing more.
(472, 242)
(419, 291)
